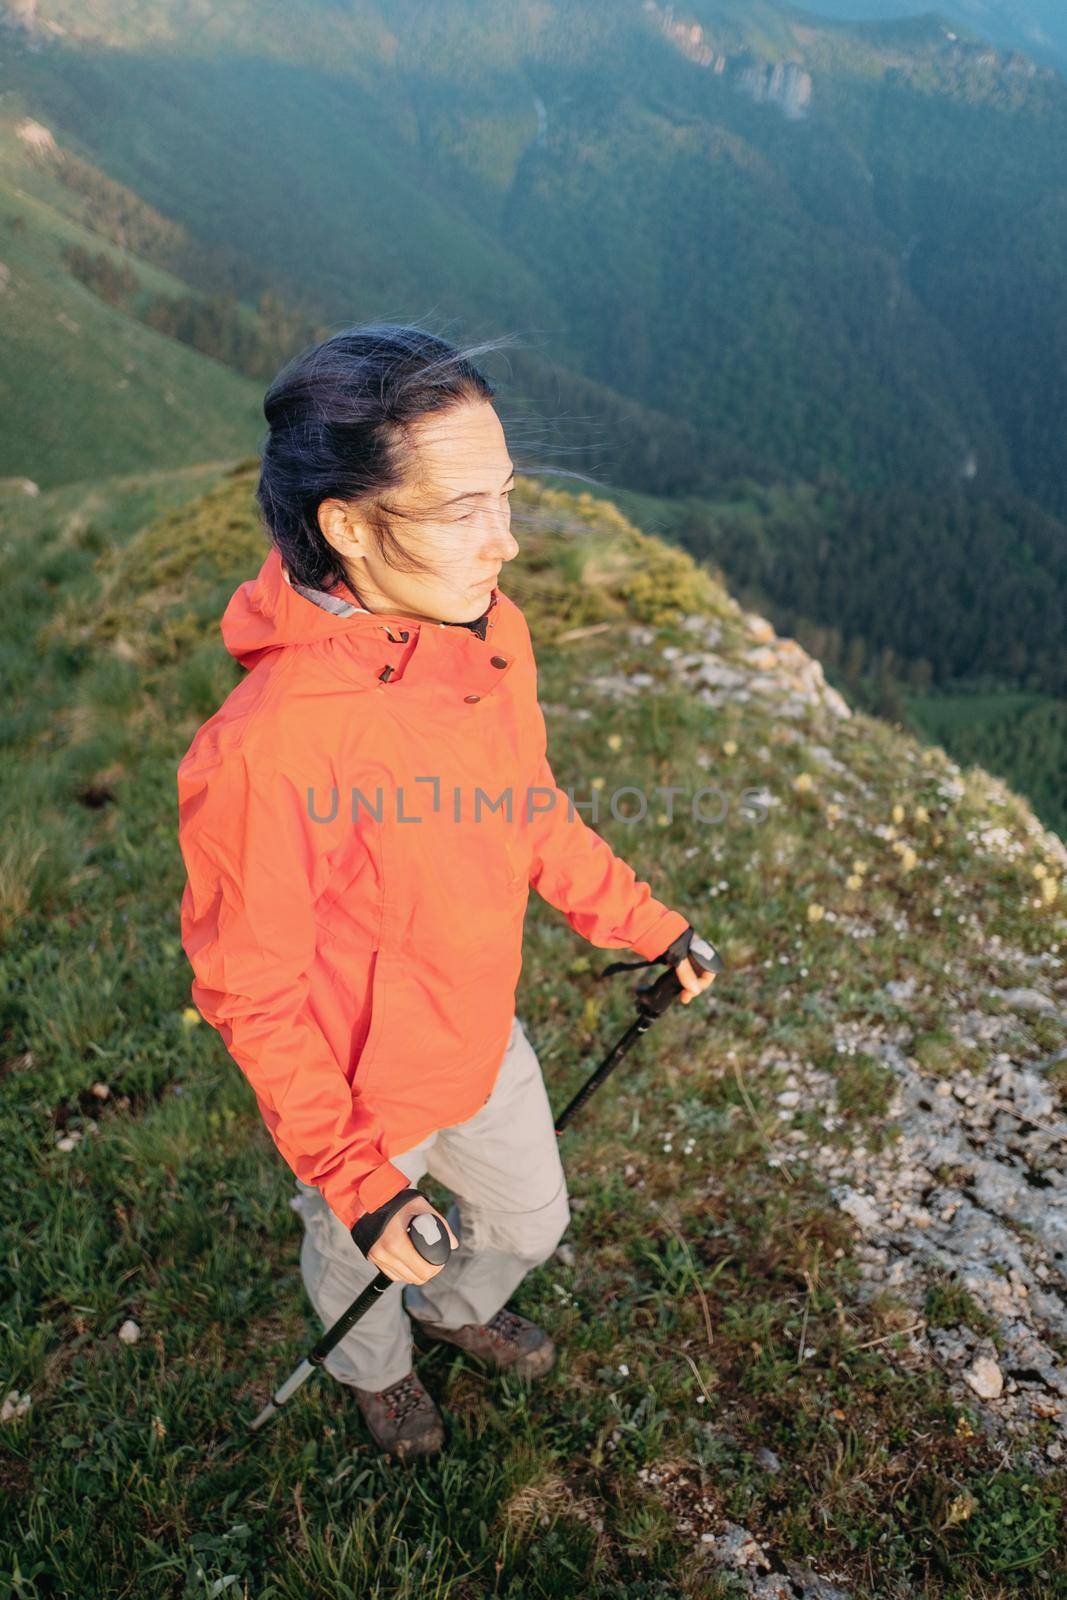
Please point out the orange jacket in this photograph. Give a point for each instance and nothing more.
(353, 912)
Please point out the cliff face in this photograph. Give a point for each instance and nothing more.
(783, 83)
(776, 58)
(786, 84)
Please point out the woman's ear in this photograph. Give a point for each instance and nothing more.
(337, 527)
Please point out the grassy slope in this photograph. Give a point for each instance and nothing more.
(85, 391)
(1019, 736)
(710, 1305)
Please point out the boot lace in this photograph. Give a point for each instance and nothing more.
(505, 1326)
(403, 1397)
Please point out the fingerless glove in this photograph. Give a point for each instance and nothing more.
(367, 1228)
(676, 950)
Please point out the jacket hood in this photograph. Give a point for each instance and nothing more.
(270, 612)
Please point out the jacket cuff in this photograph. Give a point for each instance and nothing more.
(379, 1184)
(662, 933)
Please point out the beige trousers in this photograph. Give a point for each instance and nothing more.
(509, 1211)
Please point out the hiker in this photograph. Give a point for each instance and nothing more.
(353, 912)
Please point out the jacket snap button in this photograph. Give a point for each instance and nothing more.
(470, 698)
(498, 661)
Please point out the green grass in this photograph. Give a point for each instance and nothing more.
(87, 392)
(712, 1310)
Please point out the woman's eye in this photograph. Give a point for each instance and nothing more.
(470, 515)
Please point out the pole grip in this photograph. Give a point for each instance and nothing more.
(653, 998)
(430, 1238)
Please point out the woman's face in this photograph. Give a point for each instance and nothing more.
(457, 495)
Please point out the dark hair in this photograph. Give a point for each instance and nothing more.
(337, 415)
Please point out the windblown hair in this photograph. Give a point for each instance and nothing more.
(339, 415)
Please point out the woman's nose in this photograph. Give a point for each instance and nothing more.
(506, 546)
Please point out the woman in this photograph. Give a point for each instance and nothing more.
(361, 821)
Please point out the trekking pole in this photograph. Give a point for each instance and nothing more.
(653, 999)
(433, 1245)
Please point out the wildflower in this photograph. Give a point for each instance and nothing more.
(1040, 871)
(129, 1333)
(596, 783)
(921, 814)
(663, 820)
(853, 881)
(803, 781)
(898, 813)
(1049, 890)
(859, 866)
(190, 1017)
(815, 911)
(960, 1509)
(730, 747)
(14, 1405)
(614, 741)
(908, 858)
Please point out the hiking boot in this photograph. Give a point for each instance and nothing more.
(505, 1341)
(403, 1419)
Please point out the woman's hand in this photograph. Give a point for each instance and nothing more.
(692, 981)
(393, 1252)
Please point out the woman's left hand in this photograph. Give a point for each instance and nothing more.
(693, 982)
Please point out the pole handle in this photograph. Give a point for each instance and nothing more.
(430, 1238)
(654, 996)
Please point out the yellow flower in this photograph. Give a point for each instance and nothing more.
(908, 858)
(921, 814)
(663, 819)
(890, 833)
(803, 781)
(730, 747)
(1049, 889)
(853, 881)
(1041, 871)
(596, 783)
(816, 912)
(859, 866)
(833, 811)
(960, 1509)
(190, 1017)
(614, 741)
(898, 813)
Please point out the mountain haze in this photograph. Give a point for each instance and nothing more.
(1037, 28)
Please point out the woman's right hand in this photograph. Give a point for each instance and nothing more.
(393, 1252)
